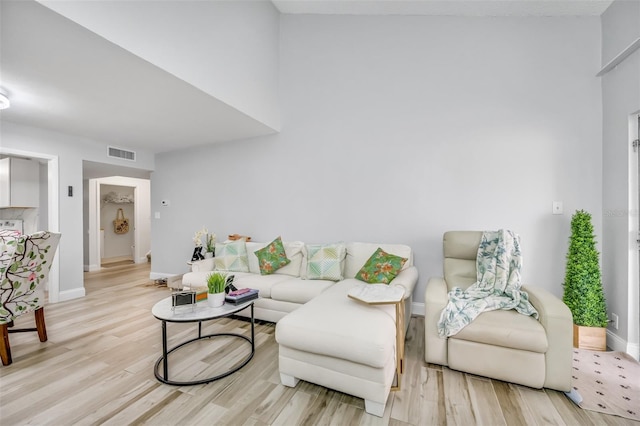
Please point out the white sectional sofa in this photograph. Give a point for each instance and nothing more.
(324, 336)
(287, 288)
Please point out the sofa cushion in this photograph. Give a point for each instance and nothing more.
(195, 279)
(232, 257)
(523, 332)
(460, 273)
(334, 325)
(263, 283)
(381, 267)
(297, 290)
(254, 263)
(359, 253)
(325, 261)
(272, 257)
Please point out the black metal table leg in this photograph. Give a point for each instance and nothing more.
(253, 340)
(164, 350)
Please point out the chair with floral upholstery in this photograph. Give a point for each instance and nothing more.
(25, 261)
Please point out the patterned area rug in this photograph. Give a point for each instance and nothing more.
(609, 382)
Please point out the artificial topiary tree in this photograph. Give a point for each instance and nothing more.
(583, 281)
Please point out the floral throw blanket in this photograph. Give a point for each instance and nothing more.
(498, 287)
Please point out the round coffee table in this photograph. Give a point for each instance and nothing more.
(199, 312)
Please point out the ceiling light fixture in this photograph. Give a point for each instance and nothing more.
(4, 101)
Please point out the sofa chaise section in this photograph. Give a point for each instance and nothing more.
(341, 344)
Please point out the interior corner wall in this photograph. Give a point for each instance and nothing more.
(71, 151)
(397, 129)
(228, 49)
(621, 98)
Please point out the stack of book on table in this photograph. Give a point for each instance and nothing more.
(242, 295)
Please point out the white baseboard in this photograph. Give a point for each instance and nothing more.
(91, 268)
(75, 293)
(417, 309)
(633, 349)
(616, 342)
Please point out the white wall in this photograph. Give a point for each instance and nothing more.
(71, 151)
(228, 49)
(397, 129)
(43, 205)
(621, 98)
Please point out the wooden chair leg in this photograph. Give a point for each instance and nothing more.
(40, 326)
(5, 349)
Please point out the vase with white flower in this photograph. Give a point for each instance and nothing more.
(209, 244)
(197, 240)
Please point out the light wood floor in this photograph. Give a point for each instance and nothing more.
(97, 368)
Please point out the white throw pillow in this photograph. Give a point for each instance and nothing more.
(325, 261)
(232, 256)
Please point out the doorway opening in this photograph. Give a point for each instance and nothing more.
(117, 218)
(112, 199)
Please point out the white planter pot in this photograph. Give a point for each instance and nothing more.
(215, 300)
(208, 255)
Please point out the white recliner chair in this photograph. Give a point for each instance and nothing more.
(503, 345)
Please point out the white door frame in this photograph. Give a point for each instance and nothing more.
(141, 216)
(633, 289)
(53, 218)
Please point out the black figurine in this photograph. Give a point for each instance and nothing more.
(197, 254)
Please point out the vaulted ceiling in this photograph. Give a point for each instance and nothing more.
(63, 77)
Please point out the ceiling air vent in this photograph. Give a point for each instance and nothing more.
(121, 153)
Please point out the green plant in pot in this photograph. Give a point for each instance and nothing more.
(216, 282)
(583, 292)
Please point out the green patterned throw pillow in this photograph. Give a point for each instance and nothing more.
(272, 257)
(381, 267)
(232, 256)
(325, 262)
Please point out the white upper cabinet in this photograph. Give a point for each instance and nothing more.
(19, 182)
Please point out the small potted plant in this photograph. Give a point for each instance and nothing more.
(583, 292)
(216, 282)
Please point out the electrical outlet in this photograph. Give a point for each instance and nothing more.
(557, 207)
(614, 321)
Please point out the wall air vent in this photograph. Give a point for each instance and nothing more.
(114, 152)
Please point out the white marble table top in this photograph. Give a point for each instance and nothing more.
(376, 294)
(202, 312)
